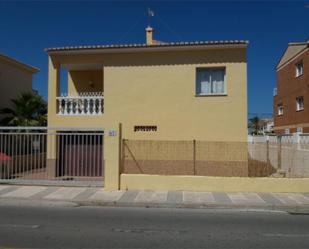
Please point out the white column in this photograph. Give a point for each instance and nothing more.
(70, 102)
(100, 106)
(88, 106)
(74, 106)
(82, 106)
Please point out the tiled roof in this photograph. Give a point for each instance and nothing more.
(19, 63)
(172, 44)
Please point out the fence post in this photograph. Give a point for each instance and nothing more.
(194, 157)
(112, 156)
(51, 154)
(122, 155)
(267, 152)
(296, 146)
(279, 150)
(297, 140)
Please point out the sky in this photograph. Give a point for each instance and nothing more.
(28, 27)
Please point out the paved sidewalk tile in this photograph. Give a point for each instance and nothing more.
(254, 198)
(44, 193)
(171, 198)
(300, 198)
(25, 191)
(198, 197)
(106, 196)
(246, 198)
(3, 187)
(65, 193)
(7, 190)
(237, 198)
(287, 198)
(174, 197)
(151, 197)
(128, 197)
(222, 198)
(270, 199)
(86, 194)
(306, 195)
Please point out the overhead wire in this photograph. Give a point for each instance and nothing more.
(131, 29)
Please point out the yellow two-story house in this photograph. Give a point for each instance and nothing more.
(156, 90)
(167, 91)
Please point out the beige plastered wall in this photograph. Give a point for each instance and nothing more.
(215, 184)
(13, 81)
(158, 88)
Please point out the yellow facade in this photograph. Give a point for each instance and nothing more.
(214, 184)
(158, 88)
(152, 87)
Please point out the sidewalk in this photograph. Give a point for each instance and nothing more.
(94, 196)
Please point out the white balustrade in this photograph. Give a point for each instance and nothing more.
(85, 103)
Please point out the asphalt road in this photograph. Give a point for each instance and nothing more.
(103, 227)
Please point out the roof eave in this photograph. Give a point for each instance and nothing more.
(291, 59)
(153, 48)
(297, 43)
(20, 64)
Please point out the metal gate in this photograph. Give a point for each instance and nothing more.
(38, 154)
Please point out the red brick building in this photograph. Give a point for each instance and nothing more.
(291, 97)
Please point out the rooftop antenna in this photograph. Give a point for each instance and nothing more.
(150, 13)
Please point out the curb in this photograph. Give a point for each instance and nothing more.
(292, 209)
(304, 209)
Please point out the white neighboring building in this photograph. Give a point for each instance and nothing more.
(267, 125)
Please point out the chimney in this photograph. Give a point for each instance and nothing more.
(149, 35)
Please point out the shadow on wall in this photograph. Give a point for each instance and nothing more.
(87, 81)
(201, 158)
(258, 168)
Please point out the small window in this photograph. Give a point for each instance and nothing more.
(280, 109)
(143, 128)
(299, 129)
(286, 131)
(299, 69)
(300, 103)
(210, 81)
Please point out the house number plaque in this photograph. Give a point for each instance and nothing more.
(112, 133)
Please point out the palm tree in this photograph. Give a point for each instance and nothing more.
(29, 109)
(255, 124)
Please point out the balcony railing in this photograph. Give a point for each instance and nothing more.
(86, 103)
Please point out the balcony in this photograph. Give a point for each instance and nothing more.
(81, 104)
